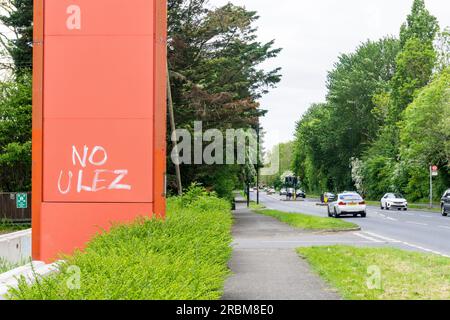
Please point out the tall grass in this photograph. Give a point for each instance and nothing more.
(5, 265)
(184, 257)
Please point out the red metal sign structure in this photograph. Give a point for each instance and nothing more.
(99, 118)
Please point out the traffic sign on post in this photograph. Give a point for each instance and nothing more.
(22, 201)
(434, 171)
(99, 108)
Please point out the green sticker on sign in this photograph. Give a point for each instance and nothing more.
(22, 201)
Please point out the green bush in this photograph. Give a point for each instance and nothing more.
(183, 257)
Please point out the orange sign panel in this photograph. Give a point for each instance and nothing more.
(98, 118)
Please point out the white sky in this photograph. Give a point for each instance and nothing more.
(312, 34)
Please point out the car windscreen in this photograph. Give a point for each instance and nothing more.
(350, 197)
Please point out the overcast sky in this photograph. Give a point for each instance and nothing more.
(312, 34)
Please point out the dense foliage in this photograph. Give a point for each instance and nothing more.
(282, 154)
(182, 258)
(385, 119)
(213, 61)
(15, 134)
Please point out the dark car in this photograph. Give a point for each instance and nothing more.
(301, 194)
(327, 197)
(445, 203)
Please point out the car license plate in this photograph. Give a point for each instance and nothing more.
(352, 204)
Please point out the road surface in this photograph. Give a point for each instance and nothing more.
(414, 230)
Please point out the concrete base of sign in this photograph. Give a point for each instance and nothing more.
(29, 272)
(16, 247)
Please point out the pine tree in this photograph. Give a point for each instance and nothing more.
(18, 18)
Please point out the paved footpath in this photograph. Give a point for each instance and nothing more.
(265, 265)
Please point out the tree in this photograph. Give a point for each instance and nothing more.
(442, 47)
(214, 60)
(353, 86)
(284, 153)
(330, 135)
(416, 59)
(420, 25)
(15, 135)
(414, 69)
(18, 43)
(313, 151)
(425, 136)
(415, 64)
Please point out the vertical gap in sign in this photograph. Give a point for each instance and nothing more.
(37, 126)
(159, 105)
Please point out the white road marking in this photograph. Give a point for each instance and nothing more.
(444, 227)
(407, 244)
(428, 217)
(417, 223)
(392, 219)
(367, 237)
(382, 237)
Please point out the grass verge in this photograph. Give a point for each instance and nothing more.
(182, 258)
(404, 275)
(308, 222)
(255, 206)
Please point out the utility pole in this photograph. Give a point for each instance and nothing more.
(248, 195)
(434, 172)
(257, 161)
(174, 133)
(431, 187)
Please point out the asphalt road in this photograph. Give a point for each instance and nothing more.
(414, 230)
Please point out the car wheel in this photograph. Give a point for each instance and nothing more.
(329, 212)
(335, 213)
(364, 214)
(381, 206)
(444, 213)
(387, 208)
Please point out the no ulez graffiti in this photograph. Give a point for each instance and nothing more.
(103, 179)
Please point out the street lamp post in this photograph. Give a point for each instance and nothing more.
(257, 162)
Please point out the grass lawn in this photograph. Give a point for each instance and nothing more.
(404, 275)
(308, 222)
(184, 257)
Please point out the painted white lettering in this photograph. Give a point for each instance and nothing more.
(115, 185)
(69, 183)
(76, 155)
(74, 20)
(97, 180)
(94, 152)
(80, 186)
